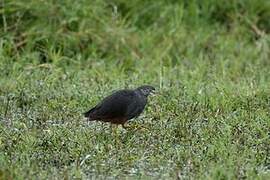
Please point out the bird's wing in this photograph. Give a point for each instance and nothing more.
(136, 107)
(113, 106)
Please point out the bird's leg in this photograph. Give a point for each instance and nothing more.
(127, 127)
(140, 127)
(111, 128)
(114, 129)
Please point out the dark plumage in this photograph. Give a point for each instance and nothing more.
(121, 106)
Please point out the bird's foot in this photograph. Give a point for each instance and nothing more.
(126, 127)
(142, 127)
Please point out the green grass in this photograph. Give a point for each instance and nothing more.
(209, 60)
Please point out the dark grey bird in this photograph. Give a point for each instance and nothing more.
(121, 106)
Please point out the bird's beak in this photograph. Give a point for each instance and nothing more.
(154, 93)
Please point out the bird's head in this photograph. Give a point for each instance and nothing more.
(146, 90)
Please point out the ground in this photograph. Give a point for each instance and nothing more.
(209, 61)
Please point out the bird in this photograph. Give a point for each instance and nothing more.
(121, 106)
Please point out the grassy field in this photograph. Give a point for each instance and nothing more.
(209, 60)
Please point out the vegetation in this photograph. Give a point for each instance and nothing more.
(210, 61)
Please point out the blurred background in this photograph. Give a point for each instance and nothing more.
(209, 59)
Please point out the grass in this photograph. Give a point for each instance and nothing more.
(208, 59)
